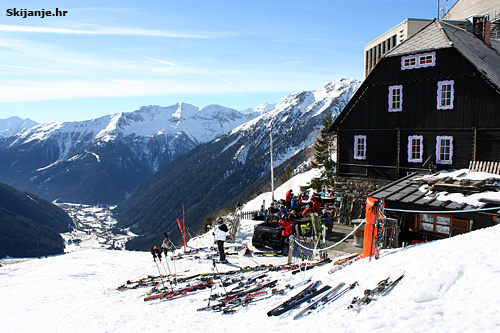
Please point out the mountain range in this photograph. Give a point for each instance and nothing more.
(100, 161)
(230, 169)
(155, 160)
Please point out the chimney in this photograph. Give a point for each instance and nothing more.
(482, 29)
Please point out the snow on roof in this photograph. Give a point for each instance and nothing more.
(465, 178)
(445, 190)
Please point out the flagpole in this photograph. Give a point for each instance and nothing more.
(272, 168)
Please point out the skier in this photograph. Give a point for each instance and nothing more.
(220, 233)
(167, 245)
(261, 214)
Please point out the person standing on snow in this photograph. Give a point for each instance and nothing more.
(220, 232)
(287, 228)
(167, 245)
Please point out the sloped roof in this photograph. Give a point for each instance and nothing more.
(430, 37)
(439, 35)
(456, 190)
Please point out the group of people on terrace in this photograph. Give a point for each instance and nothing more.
(300, 214)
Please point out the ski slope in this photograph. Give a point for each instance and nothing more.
(449, 286)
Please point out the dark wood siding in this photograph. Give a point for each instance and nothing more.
(381, 154)
(476, 102)
(462, 149)
(474, 121)
(488, 145)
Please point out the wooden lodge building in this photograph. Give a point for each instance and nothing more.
(430, 104)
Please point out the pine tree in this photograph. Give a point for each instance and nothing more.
(288, 174)
(323, 155)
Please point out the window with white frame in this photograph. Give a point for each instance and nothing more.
(409, 62)
(426, 59)
(360, 147)
(418, 60)
(395, 98)
(444, 149)
(445, 95)
(415, 148)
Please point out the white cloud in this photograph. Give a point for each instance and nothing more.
(45, 91)
(54, 71)
(189, 69)
(117, 31)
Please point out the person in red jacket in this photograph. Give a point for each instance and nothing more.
(287, 228)
(308, 210)
(288, 198)
(316, 203)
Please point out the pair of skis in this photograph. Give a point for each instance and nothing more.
(323, 301)
(305, 267)
(239, 298)
(180, 292)
(311, 291)
(341, 264)
(383, 288)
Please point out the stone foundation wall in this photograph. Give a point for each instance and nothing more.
(357, 190)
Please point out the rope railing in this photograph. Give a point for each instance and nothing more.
(331, 246)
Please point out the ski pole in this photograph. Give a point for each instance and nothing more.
(168, 266)
(158, 252)
(173, 260)
(153, 252)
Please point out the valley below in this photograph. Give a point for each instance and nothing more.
(94, 228)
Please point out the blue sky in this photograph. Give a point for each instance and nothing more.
(105, 57)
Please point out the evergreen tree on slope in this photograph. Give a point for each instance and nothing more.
(323, 155)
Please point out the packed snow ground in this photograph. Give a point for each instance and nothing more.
(449, 286)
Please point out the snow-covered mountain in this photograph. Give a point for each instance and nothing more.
(222, 172)
(71, 161)
(14, 125)
(102, 160)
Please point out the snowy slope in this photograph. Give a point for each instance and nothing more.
(292, 116)
(14, 125)
(201, 124)
(449, 286)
